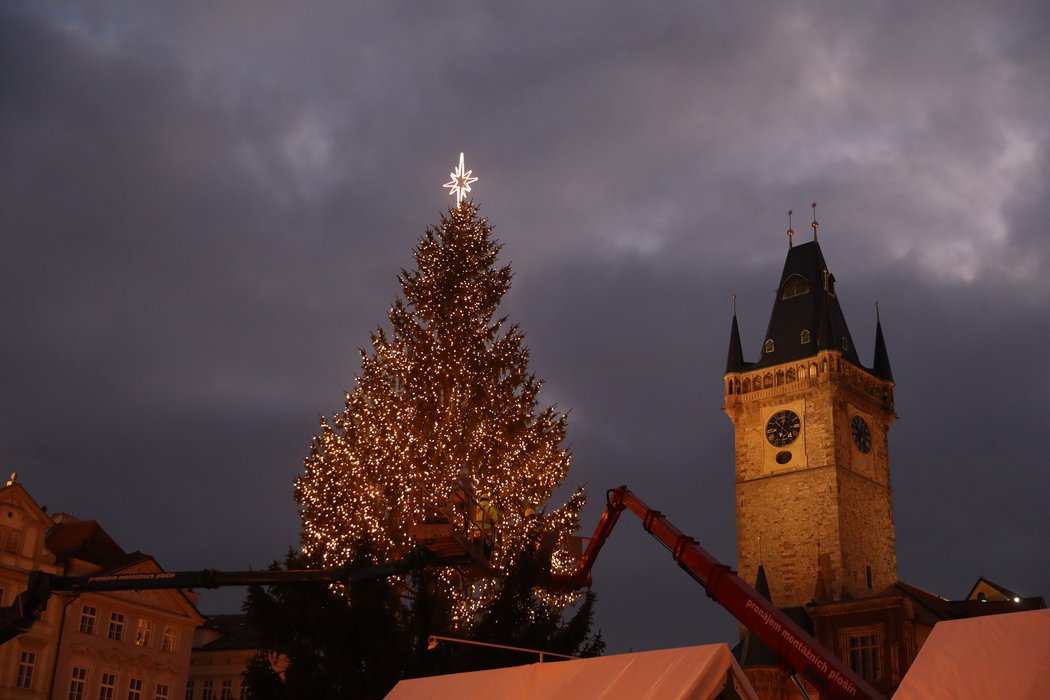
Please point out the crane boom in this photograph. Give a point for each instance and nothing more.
(797, 649)
(27, 607)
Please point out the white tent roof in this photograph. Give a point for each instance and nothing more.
(688, 673)
(996, 656)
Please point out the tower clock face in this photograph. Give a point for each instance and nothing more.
(783, 428)
(861, 434)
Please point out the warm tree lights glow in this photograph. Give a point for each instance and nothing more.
(446, 397)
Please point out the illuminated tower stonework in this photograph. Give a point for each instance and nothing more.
(813, 498)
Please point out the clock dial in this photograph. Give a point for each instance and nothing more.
(861, 434)
(783, 428)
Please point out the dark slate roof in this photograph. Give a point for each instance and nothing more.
(762, 583)
(85, 540)
(881, 366)
(810, 305)
(735, 359)
(237, 633)
(128, 560)
(751, 652)
(945, 609)
(1003, 591)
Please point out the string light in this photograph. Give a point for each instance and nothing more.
(445, 398)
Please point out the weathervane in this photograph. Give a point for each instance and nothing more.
(460, 183)
(790, 231)
(815, 225)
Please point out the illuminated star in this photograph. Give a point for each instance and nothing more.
(460, 184)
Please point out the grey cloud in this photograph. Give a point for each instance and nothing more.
(204, 210)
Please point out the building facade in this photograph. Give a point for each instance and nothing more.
(222, 649)
(27, 662)
(129, 644)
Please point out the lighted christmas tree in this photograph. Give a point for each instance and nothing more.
(444, 413)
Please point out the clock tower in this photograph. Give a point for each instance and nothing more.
(813, 499)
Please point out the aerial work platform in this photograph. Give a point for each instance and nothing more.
(446, 542)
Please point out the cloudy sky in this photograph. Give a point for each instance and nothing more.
(204, 207)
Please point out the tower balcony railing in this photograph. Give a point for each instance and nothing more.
(825, 367)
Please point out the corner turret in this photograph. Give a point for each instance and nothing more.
(735, 359)
(881, 365)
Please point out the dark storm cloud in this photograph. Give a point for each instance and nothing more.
(204, 208)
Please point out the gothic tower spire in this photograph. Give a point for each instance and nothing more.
(812, 464)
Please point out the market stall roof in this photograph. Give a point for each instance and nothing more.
(995, 656)
(687, 673)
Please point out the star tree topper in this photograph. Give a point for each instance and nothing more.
(461, 180)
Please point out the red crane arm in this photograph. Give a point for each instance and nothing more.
(796, 647)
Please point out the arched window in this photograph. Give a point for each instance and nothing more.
(779, 379)
(804, 337)
(729, 387)
(789, 376)
(747, 386)
(795, 285)
(813, 370)
(769, 381)
(769, 345)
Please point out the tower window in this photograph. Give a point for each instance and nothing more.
(804, 337)
(795, 286)
(769, 345)
(864, 654)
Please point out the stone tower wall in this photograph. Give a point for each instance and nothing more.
(819, 519)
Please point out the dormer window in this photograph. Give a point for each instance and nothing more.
(845, 343)
(796, 285)
(769, 345)
(804, 337)
(829, 283)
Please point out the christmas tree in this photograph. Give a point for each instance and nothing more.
(444, 421)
